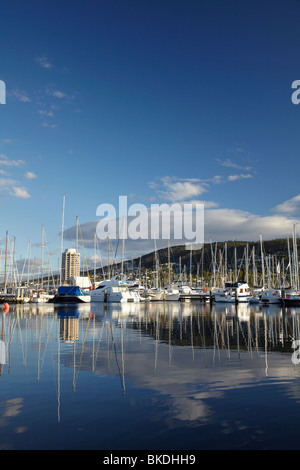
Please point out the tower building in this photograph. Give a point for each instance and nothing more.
(70, 264)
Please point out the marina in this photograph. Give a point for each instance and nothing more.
(150, 228)
(161, 375)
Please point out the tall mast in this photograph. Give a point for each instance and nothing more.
(42, 255)
(296, 260)
(262, 262)
(5, 261)
(76, 233)
(289, 263)
(169, 266)
(62, 235)
(94, 258)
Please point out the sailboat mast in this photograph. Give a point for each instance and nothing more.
(5, 262)
(62, 235)
(262, 262)
(42, 255)
(296, 261)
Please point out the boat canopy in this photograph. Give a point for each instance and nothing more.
(70, 290)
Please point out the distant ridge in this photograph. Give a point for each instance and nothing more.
(202, 260)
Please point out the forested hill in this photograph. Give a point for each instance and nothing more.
(203, 259)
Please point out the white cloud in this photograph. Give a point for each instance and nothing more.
(176, 189)
(289, 207)
(220, 224)
(56, 93)
(230, 164)
(12, 187)
(30, 175)
(5, 161)
(46, 113)
(234, 224)
(238, 177)
(45, 124)
(6, 183)
(43, 62)
(20, 192)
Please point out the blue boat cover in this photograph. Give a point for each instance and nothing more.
(70, 290)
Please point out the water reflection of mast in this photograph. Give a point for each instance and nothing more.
(156, 340)
(116, 357)
(46, 344)
(83, 343)
(2, 335)
(58, 373)
(266, 344)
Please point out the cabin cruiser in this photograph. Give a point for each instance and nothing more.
(41, 297)
(233, 292)
(266, 297)
(270, 296)
(291, 298)
(114, 291)
(154, 294)
(172, 293)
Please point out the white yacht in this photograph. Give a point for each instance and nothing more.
(291, 298)
(172, 293)
(236, 292)
(114, 291)
(270, 296)
(41, 297)
(154, 294)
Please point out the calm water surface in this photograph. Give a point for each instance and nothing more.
(149, 376)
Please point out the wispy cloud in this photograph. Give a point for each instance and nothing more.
(177, 189)
(46, 113)
(44, 62)
(12, 187)
(56, 93)
(230, 164)
(5, 161)
(289, 207)
(46, 124)
(20, 192)
(238, 177)
(30, 175)
(20, 95)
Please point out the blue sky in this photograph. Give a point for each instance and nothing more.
(162, 101)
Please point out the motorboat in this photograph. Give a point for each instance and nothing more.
(154, 294)
(114, 290)
(172, 293)
(41, 297)
(270, 296)
(233, 292)
(291, 298)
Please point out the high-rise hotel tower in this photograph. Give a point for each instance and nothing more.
(70, 264)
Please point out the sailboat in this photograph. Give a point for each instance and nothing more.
(69, 293)
(155, 293)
